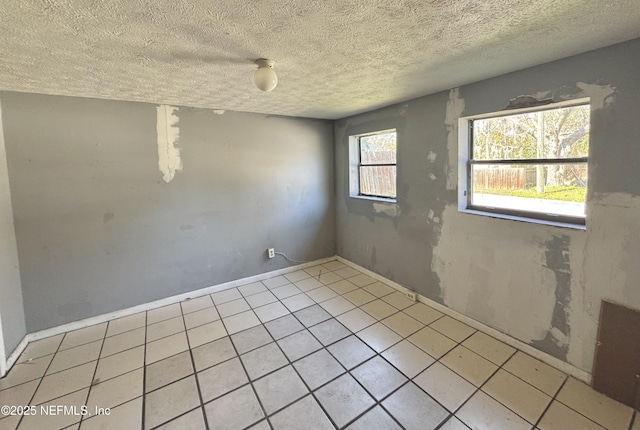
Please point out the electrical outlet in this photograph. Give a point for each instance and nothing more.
(412, 295)
(271, 252)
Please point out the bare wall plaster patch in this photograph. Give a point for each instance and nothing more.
(387, 209)
(168, 130)
(455, 107)
(600, 95)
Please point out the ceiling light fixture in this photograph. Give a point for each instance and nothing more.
(265, 77)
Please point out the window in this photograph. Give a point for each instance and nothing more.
(376, 164)
(531, 163)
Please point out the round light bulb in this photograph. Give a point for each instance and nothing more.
(265, 77)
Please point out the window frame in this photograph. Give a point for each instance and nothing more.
(466, 163)
(359, 164)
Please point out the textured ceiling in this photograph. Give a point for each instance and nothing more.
(334, 58)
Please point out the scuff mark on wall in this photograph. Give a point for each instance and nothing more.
(556, 340)
(455, 107)
(600, 95)
(168, 138)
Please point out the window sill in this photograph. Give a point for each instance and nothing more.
(375, 199)
(524, 219)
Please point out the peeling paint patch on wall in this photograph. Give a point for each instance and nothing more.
(455, 107)
(168, 131)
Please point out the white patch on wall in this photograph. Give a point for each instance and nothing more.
(168, 131)
(455, 107)
(600, 95)
(431, 157)
(390, 209)
(219, 111)
(541, 95)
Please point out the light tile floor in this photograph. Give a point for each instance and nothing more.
(322, 348)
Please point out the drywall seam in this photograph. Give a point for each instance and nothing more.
(42, 334)
(546, 358)
(168, 132)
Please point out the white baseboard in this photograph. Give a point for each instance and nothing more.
(42, 334)
(563, 366)
(13, 357)
(542, 356)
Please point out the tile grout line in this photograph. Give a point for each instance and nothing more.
(95, 370)
(290, 363)
(347, 371)
(144, 376)
(145, 343)
(535, 425)
(250, 383)
(571, 408)
(42, 378)
(193, 364)
(324, 347)
(376, 402)
(319, 304)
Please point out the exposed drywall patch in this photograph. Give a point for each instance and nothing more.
(168, 131)
(455, 107)
(219, 111)
(600, 95)
(390, 209)
(556, 340)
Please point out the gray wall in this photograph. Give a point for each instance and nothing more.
(11, 308)
(98, 229)
(540, 284)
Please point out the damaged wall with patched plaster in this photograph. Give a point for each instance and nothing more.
(539, 284)
(117, 203)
